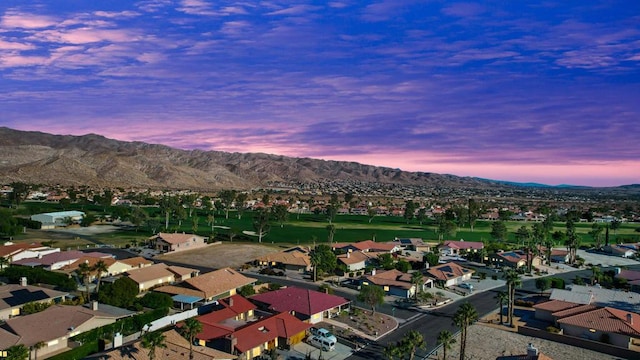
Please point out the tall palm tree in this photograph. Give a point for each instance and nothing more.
(152, 341)
(446, 339)
(35, 347)
(100, 268)
(513, 280)
(503, 298)
(84, 272)
(463, 317)
(3, 262)
(411, 342)
(417, 279)
(393, 351)
(191, 328)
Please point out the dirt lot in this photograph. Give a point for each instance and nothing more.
(231, 255)
(512, 343)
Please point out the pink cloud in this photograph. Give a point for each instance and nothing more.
(26, 21)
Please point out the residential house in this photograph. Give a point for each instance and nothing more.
(449, 274)
(176, 348)
(415, 244)
(559, 256)
(354, 260)
(296, 259)
(8, 250)
(366, 246)
(552, 310)
(159, 274)
(33, 252)
(251, 339)
(613, 326)
(14, 296)
(514, 259)
(631, 276)
(56, 325)
(167, 242)
(395, 282)
(307, 305)
(207, 287)
(58, 260)
(595, 295)
(453, 247)
(621, 250)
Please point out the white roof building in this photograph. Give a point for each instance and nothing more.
(58, 218)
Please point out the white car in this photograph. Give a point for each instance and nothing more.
(466, 286)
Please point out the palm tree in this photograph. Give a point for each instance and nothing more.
(411, 342)
(315, 261)
(331, 228)
(502, 297)
(3, 262)
(35, 347)
(84, 272)
(191, 328)
(417, 279)
(392, 351)
(513, 280)
(100, 267)
(464, 316)
(446, 339)
(151, 341)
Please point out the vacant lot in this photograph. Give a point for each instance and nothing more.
(223, 255)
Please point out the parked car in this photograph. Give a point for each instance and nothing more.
(466, 286)
(323, 333)
(322, 343)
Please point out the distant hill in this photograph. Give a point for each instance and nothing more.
(41, 158)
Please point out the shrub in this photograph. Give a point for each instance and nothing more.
(156, 300)
(494, 277)
(482, 275)
(557, 283)
(553, 329)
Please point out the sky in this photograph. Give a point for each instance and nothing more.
(528, 91)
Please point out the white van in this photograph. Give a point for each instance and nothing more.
(322, 343)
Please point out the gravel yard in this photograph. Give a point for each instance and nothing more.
(486, 343)
(231, 255)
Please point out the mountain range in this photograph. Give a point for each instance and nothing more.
(41, 158)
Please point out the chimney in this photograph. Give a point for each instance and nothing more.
(630, 318)
(230, 302)
(94, 305)
(348, 254)
(532, 351)
(23, 281)
(373, 272)
(233, 341)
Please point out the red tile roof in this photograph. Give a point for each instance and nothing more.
(555, 305)
(367, 245)
(6, 250)
(581, 308)
(448, 271)
(303, 301)
(240, 305)
(463, 245)
(282, 325)
(393, 278)
(175, 238)
(606, 320)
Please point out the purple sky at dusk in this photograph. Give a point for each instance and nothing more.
(535, 91)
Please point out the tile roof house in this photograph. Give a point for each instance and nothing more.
(354, 260)
(159, 274)
(415, 244)
(619, 299)
(57, 260)
(296, 259)
(306, 305)
(210, 286)
(514, 259)
(617, 327)
(167, 242)
(454, 247)
(366, 246)
(395, 282)
(252, 339)
(553, 309)
(450, 274)
(631, 276)
(62, 322)
(559, 256)
(177, 348)
(14, 296)
(9, 249)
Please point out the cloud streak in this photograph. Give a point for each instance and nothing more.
(541, 92)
